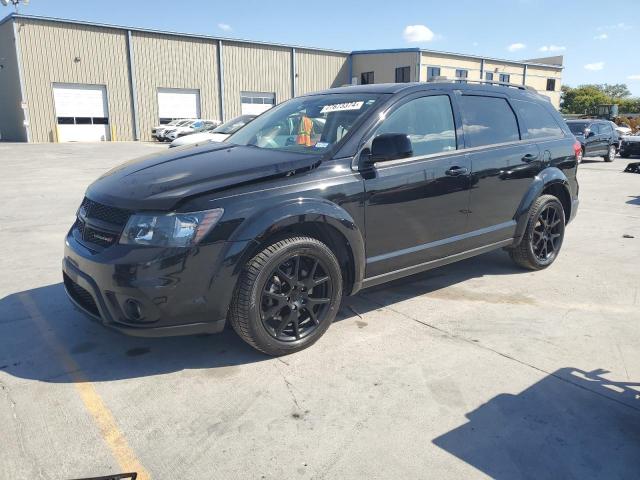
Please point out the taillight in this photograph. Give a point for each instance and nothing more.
(577, 150)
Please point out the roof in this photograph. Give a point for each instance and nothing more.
(551, 61)
(18, 16)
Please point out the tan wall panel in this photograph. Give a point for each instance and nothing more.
(320, 70)
(254, 68)
(384, 65)
(448, 65)
(166, 61)
(48, 51)
(11, 115)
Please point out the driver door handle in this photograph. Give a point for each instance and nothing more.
(456, 171)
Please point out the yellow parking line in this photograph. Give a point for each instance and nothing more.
(104, 419)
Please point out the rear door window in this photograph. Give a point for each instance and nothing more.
(487, 121)
(538, 122)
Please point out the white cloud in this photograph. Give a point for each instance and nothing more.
(552, 48)
(418, 34)
(224, 26)
(514, 47)
(602, 36)
(594, 66)
(475, 44)
(617, 26)
(634, 77)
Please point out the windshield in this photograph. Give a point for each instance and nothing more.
(577, 128)
(307, 124)
(234, 125)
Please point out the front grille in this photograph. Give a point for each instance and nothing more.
(80, 295)
(105, 213)
(100, 225)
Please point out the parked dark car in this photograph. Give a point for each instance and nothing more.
(318, 198)
(598, 138)
(630, 145)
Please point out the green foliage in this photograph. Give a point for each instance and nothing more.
(584, 98)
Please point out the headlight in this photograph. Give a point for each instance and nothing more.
(169, 230)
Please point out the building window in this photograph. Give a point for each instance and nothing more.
(489, 76)
(551, 84)
(461, 75)
(403, 74)
(432, 73)
(366, 78)
(505, 78)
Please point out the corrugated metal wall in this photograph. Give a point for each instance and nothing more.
(48, 53)
(167, 61)
(11, 115)
(254, 68)
(320, 70)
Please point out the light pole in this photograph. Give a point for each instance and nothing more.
(15, 3)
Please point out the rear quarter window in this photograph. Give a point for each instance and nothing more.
(538, 121)
(487, 121)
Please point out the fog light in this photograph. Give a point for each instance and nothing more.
(133, 310)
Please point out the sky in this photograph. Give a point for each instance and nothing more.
(597, 48)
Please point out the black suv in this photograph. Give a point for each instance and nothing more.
(597, 138)
(317, 198)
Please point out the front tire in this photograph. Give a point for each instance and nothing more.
(287, 296)
(542, 239)
(611, 154)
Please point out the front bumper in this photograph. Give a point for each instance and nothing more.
(172, 288)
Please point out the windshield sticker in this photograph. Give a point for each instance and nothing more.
(321, 145)
(341, 107)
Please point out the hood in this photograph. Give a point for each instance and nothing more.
(160, 181)
(631, 138)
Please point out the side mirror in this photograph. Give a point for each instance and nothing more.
(390, 146)
(588, 133)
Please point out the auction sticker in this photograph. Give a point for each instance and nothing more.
(341, 107)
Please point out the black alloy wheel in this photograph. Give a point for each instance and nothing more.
(287, 295)
(543, 236)
(295, 298)
(547, 233)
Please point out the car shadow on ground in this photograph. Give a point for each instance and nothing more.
(634, 200)
(29, 341)
(570, 424)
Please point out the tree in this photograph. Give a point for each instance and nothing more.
(585, 98)
(617, 91)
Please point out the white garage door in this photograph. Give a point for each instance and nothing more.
(254, 103)
(81, 112)
(176, 103)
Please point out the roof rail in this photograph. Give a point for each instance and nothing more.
(488, 82)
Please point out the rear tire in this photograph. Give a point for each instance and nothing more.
(542, 239)
(611, 154)
(287, 296)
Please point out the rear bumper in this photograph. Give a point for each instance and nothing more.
(173, 290)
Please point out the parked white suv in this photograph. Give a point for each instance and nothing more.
(218, 134)
(194, 126)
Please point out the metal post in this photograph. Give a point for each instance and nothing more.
(294, 73)
(133, 90)
(524, 75)
(23, 99)
(419, 66)
(220, 81)
(482, 69)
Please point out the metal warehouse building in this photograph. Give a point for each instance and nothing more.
(64, 80)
